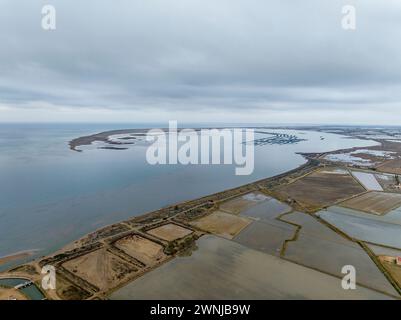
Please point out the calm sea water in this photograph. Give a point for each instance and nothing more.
(50, 195)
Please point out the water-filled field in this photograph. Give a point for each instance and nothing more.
(364, 228)
(222, 269)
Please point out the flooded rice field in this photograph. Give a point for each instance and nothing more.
(267, 210)
(244, 202)
(267, 237)
(319, 247)
(383, 251)
(224, 269)
(365, 229)
(393, 217)
(329, 256)
(312, 227)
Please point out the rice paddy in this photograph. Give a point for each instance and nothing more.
(330, 256)
(169, 232)
(223, 224)
(267, 210)
(268, 237)
(387, 181)
(100, 268)
(364, 228)
(392, 166)
(222, 269)
(312, 227)
(142, 249)
(378, 203)
(320, 188)
(384, 251)
(244, 202)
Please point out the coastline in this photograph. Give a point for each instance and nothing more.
(178, 213)
(101, 137)
(311, 160)
(17, 256)
(181, 213)
(105, 135)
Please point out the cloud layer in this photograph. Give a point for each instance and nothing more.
(272, 61)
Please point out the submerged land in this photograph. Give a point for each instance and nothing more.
(285, 237)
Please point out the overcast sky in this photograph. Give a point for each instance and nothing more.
(267, 61)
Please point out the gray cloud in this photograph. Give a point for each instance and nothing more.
(234, 60)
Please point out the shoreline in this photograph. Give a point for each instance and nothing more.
(17, 256)
(103, 136)
(181, 213)
(350, 132)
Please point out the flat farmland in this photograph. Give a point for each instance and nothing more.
(378, 203)
(387, 181)
(267, 210)
(222, 224)
(244, 202)
(170, 232)
(101, 268)
(268, 237)
(321, 188)
(68, 291)
(392, 166)
(142, 249)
